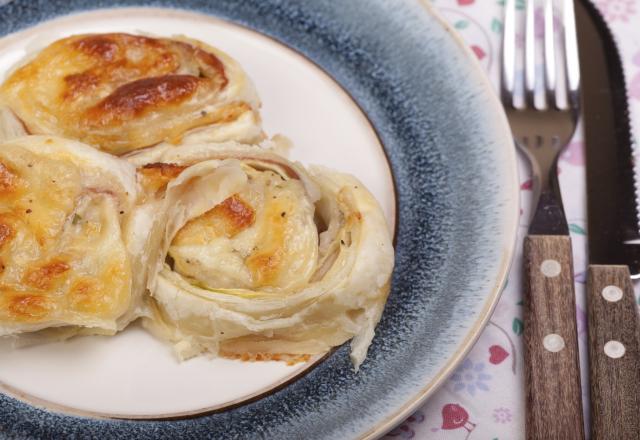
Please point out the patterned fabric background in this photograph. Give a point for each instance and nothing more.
(484, 398)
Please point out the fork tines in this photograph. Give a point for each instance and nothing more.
(542, 47)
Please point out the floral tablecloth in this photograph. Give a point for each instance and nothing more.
(484, 398)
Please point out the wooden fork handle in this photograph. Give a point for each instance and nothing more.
(552, 367)
(614, 358)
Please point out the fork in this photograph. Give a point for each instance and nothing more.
(542, 128)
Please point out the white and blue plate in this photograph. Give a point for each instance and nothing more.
(383, 90)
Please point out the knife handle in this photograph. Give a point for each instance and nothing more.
(614, 362)
(552, 366)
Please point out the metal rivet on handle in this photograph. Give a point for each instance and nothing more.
(614, 349)
(553, 343)
(550, 268)
(612, 293)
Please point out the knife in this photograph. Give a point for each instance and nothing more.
(613, 225)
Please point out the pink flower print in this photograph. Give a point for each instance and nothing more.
(527, 185)
(538, 22)
(502, 415)
(480, 53)
(613, 10)
(574, 154)
(634, 87)
(520, 40)
(470, 377)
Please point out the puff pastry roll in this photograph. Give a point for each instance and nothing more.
(121, 92)
(65, 211)
(264, 258)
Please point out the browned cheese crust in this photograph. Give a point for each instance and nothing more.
(122, 92)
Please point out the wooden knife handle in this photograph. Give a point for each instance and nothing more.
(614, 362)
(552, 365)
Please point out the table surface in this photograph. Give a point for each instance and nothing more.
(484, 398)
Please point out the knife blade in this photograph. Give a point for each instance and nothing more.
(613, 226)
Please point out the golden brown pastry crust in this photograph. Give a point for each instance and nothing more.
(63, 259)
(122, 92)
(288, 261)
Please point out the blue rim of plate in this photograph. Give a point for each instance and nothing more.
(454, 165)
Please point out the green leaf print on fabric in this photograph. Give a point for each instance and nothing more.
(577, 229)
(496, 26)
(519, 4)
(517, 326)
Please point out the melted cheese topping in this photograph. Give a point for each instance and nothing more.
(62, 258)
(263, 237)
(122, 92)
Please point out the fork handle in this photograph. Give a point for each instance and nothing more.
(552, 367)
(614, 357)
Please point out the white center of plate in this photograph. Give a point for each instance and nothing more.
(133, 374)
